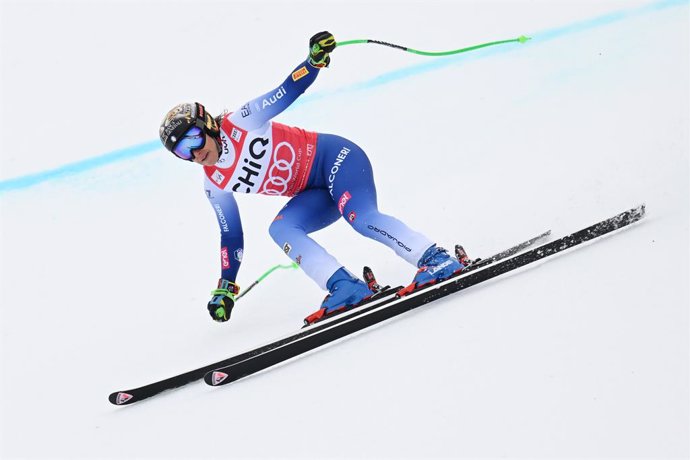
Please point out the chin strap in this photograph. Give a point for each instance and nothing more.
(218, 146)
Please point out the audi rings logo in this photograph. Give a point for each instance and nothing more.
(280, 172)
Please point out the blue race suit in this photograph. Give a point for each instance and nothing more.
(327, 177)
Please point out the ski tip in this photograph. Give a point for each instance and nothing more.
(121, 398)
(215, 378)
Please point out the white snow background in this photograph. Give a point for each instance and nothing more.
(106, 270)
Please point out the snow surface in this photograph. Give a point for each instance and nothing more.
(106, 270)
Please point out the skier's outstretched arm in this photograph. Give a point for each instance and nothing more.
(260, 110)
(231, 249)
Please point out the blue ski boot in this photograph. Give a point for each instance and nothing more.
(435, 265)
(345, 292)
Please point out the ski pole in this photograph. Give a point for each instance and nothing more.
(268, 272)
(520, 39)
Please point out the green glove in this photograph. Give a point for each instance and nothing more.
(220, 306)
(320, 45)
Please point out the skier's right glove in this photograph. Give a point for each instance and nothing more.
(320, 45)
(223, 300)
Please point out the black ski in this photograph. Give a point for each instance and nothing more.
(387, 310)
(386, 293)
(125, 397)
(477, 263)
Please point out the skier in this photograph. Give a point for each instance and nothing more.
(326, 175)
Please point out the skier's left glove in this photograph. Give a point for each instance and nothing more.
(220, 306)
(320, 45)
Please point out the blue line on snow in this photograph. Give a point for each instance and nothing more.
(80, 166)
(383, 79)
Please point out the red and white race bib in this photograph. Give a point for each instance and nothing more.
(274, 159)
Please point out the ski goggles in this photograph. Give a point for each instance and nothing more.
(193, 139)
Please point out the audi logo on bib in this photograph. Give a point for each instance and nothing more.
(280, 172)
